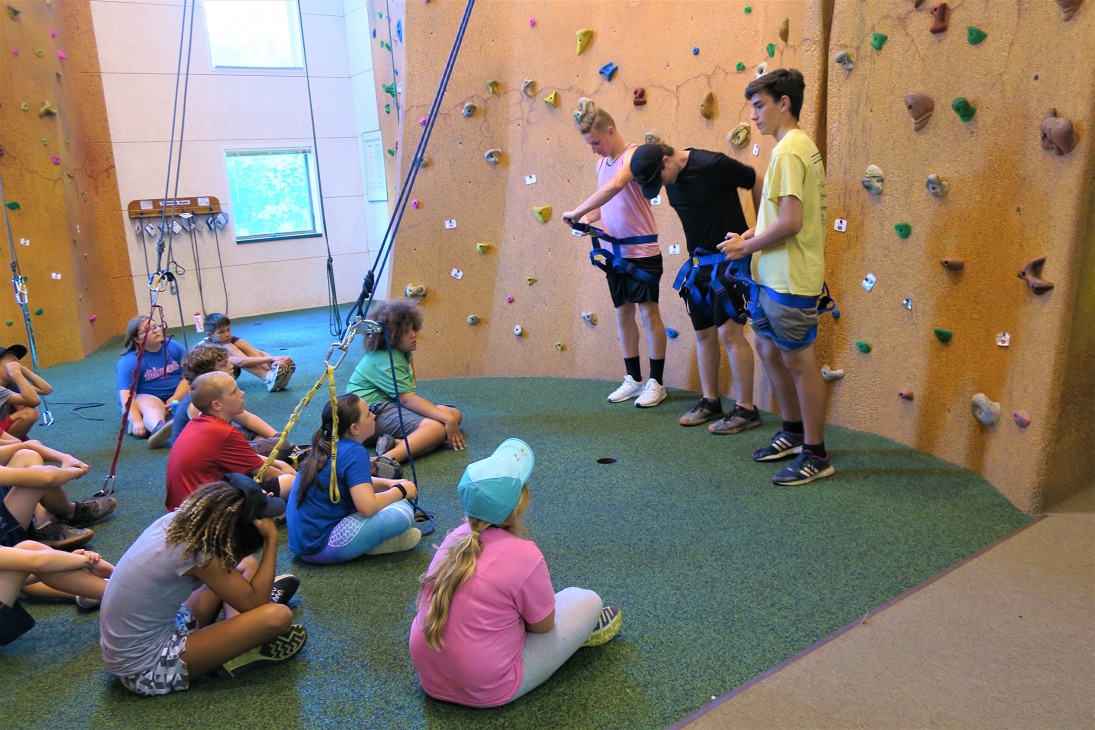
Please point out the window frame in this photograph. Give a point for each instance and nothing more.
(313, 191)
(295, 40)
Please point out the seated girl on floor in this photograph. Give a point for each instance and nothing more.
(370, 515)
(159, 382)
(490, 627)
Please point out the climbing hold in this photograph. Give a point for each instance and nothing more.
(15, 52)
(492, 155)
(963, 108)
(762, 69)
(836, 314)
(399, 30)
(414, 203)
(828, 373)
(492, 86)
(387, 108)
(869, 281)
(671, 333)
(953, 263)
(422, 121)
(552, 99)
(39, 311)
(873, 180)
(509, 300)
(55, 160)
(878, 40)
(863, 346)
(39, 52)
(531, 280)
(907, 303)
(1021, 418)
(785, 30)
(1068, 8)
(1057, 134)
(92, 318)
(10, 323)
(639, 96)
(517, 330)
(415, 292)
(45, 142)
(845, 60)
(608, 70)
(585, 106)
(560, 346)
(985, 410)
(920, 108)
(423, 161)
(585, 37)
(739, 136)
(707, 106)
(939, 18)
(652, 137)
(12, 205)
(13, 12)
(389, 89)
(975, 35)
(904, 230)
(905, 394)
(532, 22)
(695, 50)
(25, 106)
(771, 49)
(528, 88)
(391, 152)
(47, 110)
(590, 317)
(943, 335)
(468, 110)
(748, 9)
(937, 186)
(543, 212)
(482, 247)
(473, 319)
(1003, 339)
(1031, 272)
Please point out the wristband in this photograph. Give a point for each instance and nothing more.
(402, 490)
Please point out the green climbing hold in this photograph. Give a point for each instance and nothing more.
(385, 46)
(878, 40)
(904, 230)
(771, 48)
(748, 9)
(963, 108)
(387, 108)
(39, 311)
(391, 152)
(943, 335)
(389, 89)
(380, 15)
(863, 346)
(975, 35)
(740, 66)
(12, 205)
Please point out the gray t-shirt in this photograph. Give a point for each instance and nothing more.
(142, 597)
(5, 407)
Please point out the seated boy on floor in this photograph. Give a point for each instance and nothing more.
(427, 425)
(210, 446)
(214, 358)
(275, 370)
(20, 388)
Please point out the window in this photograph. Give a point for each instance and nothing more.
(274, 194)
(254, 33)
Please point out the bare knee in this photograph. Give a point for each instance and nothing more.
(275, 617)
(248, 565)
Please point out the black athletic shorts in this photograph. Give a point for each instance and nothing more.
(738, 293)
(626, 289)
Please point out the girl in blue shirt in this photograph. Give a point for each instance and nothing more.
(159, 381)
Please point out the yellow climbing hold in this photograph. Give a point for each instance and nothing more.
(47, 110)
(543, 213)
(585, 35)
(553, 99)
(482, 247)
(707, 107)
(531, 280)
(560, 346)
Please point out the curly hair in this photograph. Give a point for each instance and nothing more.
(400, 316)
(595, 119)
(201, 360)
(208, 524)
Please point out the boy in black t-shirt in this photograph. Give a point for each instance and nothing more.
(702, 187)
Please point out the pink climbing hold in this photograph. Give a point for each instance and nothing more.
(509, 300)
(414, 204)
(905, 394)
(52, 33)
(92, 318)
(532, 22)
(61, 55)
(15, 52)
(1021, 418)
(55, 160)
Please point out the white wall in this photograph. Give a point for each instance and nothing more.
(138, 44)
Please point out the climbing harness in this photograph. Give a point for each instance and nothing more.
(717, 296)
(614, 259)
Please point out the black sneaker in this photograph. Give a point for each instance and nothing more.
(739, 420)
(285, 587)
(783, 444)
(804, 469)
(284, 647)
(706, 410)
(608, 625)
(92, 510)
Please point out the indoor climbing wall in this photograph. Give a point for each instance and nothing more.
(59, 184)
(961, 270)
(505, 282)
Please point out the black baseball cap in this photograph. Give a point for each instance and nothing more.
(18, 350)
(646, 167)
(256, 503)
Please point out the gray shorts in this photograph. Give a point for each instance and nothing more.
(169, 673)
(387, 420)
(787, 323)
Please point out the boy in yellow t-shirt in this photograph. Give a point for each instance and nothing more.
(789, 270)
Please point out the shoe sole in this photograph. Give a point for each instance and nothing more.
(281, 649)
(624, 399)
(71, 543)
(714, 417)
(650, 405)
(606, 634)
(781, 455)
(161, 437)
(400, 543)
(285, 374)
(746, 427)
(820, 475)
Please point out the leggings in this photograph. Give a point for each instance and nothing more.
(577, 611)
(357, 534)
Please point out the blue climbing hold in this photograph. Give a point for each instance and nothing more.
(374, 32)
(399, 30)
(836, 314)
(671, 333)
(695, 50)
(608, 70)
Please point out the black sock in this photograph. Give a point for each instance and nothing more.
(794, 427)
(633, 368)
(657, 370)
(818, 450)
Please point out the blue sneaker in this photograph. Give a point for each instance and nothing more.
(784, 443)
(804, 469)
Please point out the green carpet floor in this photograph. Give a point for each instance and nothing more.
(721, 575)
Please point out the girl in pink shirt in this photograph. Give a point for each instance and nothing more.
(489, 626)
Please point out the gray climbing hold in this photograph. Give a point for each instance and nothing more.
(762, 69)
(416, 292)
(473, 319)
(585, 106)
(652, 137)
(937, 186)
(492, 155)
(873, 180)
(528, 88)
(845, 60)
(985, 410)
(518, 330)
(828, 373)
(590, 317)
(468, 110)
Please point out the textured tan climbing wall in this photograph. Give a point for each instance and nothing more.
(68, 211)
(651, 43)
(1008, 202)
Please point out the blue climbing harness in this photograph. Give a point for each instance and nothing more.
(614, 259)
(717, 295)
(759, 321)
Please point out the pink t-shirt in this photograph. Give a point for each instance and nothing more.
(480, 662)
(628, 213)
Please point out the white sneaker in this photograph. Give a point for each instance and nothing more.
(271, 378)
(628, 390)
(653, 394)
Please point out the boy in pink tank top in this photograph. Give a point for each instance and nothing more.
(635, 272)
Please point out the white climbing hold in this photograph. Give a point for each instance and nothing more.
(828, 373)
(416, 292)
(590, 317)
(985, 410)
